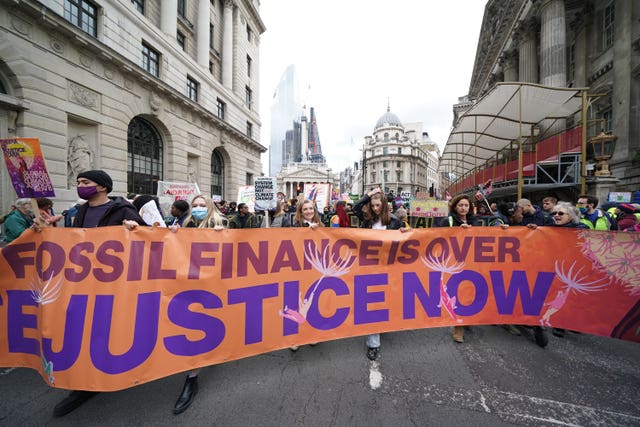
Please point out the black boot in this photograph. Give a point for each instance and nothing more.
(72, 401)
(189, 391)
(540, 336)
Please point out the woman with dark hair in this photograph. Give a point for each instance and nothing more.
(373, 211)
(279, 218)
(459, 216)
(340, 219)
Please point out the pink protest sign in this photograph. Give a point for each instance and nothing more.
(26, 167)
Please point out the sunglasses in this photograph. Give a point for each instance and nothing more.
(557, 213)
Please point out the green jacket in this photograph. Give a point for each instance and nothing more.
(252, 222)
(14, 224)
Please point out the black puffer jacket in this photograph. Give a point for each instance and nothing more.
(120, 210)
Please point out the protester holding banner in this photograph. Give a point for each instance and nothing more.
(45, 206)
(99, 211)
(459, 216)
(204, 214)
(511, 214)
(18, 220)
(373, 211)
(306, 216)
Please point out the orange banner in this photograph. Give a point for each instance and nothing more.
(106, 309)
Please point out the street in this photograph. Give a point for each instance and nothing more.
(421, 378)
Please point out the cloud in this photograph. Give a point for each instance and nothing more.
(357, 55)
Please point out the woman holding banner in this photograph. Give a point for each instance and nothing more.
(306, 216)
(459, 216)
(204, 214)
(373, 211)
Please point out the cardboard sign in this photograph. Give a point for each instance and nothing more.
(26, 167)
(265, 193)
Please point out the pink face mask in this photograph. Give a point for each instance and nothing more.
(87, 192)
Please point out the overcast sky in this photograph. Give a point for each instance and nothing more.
(357, 54)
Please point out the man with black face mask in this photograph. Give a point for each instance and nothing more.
(99, 211)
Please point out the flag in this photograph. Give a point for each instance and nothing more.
(488, 188)
(479, 195)
(447, 195)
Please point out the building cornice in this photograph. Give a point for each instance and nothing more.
(49, 19)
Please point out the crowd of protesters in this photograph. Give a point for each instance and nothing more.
(374, 210)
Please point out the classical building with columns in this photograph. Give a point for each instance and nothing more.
(592, 44)
(146, 90)
(399, 157)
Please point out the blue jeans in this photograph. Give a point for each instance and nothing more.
(373, 341)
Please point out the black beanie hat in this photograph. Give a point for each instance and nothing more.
(99, 177)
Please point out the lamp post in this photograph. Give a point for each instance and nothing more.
(603, 146)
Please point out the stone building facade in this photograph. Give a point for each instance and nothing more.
(398, 157)
(146, 90)
(591, 44)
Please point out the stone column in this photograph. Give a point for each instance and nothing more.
(509, 63)
(227, 45)
(528, 52)
(169, 17)
(202, 33)
(553, 68)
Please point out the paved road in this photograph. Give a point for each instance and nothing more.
(421, 378)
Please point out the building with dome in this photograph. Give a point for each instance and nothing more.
(398, 157)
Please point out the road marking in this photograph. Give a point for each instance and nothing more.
(483, 402)
(509, 406)
(375, 376)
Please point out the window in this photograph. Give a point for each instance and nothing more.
(385, 150)
(248, 96)
(249, 129)
(217, 173)
(399, 165)
(373, 177)
(386, 176)
(83, 14)
(249, 62)
(386, 136)
(182, 41)
(182, 7)
(221, 106)
(150, 60)
(398, 176)
(139, 5)
(607, 27)
(385, 164)
(144, 157)
(192, 89)
(571, 63)
(211, 36)
(249, 33)
(249, 179)
(607, 117)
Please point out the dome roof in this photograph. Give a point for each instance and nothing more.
(388, 119)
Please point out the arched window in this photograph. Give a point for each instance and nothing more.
(386, 136)
(144, 157)
(217, 174)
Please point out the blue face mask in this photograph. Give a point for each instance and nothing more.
(199, 212)
(582, 209)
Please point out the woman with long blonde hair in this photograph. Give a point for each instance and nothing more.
(203, 214)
